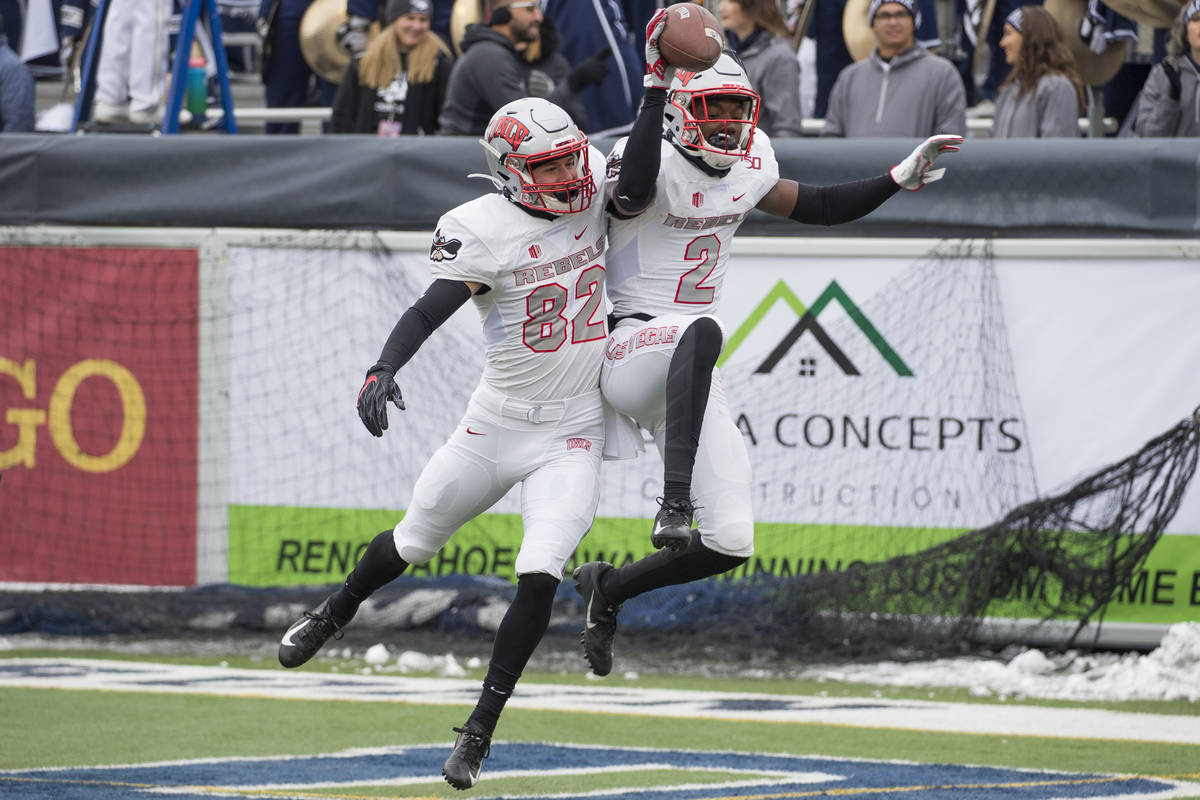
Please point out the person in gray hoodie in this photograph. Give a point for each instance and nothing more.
(901, 89)
(1170, 100)
(495, 68)
(1042, 96)
(491, 71)
(757, 33)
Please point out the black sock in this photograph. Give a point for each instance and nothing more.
(379, 566)
(517, 637)
(689, 379)
(498, 686)
(666, 568)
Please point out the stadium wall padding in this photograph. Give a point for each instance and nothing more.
(985, 372)
(1102, 187)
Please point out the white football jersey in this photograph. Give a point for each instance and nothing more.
(672, 257)
(544, 323)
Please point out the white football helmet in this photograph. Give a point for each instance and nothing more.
(532, 130)
(688, 109)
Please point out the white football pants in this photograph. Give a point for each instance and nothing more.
(133, 55)
(553, 449)
(634, 381)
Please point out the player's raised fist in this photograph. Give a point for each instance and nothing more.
(692, 38)
(659, 73)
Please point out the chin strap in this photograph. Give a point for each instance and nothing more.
(492, 178)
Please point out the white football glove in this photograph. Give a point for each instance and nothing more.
(659, 73)
(914, 172)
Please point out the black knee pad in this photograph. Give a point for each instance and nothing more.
(536, 587)
(705, 336)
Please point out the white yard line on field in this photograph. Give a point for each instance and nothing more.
(1009, 719)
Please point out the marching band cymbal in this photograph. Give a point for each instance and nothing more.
(1155, 13)
(1094, 69)
(318, 39)
(860, 39)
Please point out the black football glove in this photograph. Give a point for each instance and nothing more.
(591, 72)
(379, 387)
(1172, 73)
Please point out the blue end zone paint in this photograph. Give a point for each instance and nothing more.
(869, 779)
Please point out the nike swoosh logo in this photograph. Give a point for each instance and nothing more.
(474, 433)
(581, 233)
(737, 197)
(287, 637)
(588, 615)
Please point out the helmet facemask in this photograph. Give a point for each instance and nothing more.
(729, 135)
(720, 101)
(568, 196)
(527, 134)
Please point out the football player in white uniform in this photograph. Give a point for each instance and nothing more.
(532, 259)
(666, 268)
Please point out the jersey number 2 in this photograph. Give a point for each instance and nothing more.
(692, 288)
(545, 326)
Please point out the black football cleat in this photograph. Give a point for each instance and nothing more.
(599, 617)
(673, 525)
(307, 635)
(462, 768)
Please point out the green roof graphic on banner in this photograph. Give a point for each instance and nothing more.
(808, 322)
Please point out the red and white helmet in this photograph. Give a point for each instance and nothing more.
(688, 108)
(530, 130)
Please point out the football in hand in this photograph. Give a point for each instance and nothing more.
(692, 38)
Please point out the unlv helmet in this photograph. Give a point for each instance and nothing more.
(688, 109)
(530, 131)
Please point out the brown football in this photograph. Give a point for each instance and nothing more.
(692, 38)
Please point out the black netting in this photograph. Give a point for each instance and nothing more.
(1066, 556)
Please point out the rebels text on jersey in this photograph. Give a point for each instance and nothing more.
(671, 258)
(543, 317)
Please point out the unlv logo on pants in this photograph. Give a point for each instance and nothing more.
(697, 199)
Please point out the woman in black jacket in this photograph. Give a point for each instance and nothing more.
(398, 87)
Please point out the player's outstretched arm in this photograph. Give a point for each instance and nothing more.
(435, 306)
(640, 161)
(844, 202)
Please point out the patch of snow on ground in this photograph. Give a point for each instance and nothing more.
(1170, 672)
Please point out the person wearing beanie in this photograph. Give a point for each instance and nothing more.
(399, 85)
(354, 34)
(901, 89)
(1170, 100)
(1042, 96)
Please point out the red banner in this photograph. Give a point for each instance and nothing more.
(98, 415)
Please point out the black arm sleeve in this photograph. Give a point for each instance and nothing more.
(643, 152)
(842, 202)
(440, 301)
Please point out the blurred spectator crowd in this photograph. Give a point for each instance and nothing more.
(851, 68)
